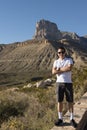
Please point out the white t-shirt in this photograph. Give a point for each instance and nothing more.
(64, 77)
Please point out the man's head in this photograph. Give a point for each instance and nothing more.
(61, 52)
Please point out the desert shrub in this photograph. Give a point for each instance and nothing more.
(79, 82)
(12, 104)
(15, 124)
(36, 78)
(26, 111)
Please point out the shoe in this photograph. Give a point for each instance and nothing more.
(73, 123)
(59, 122)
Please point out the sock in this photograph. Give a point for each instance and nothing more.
(60, 115)
(71, 116)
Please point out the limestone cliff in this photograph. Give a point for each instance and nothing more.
(48, 30)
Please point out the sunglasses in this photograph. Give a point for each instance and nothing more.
(61, 52)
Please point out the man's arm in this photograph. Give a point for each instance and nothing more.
(62, 69)
(66, 68)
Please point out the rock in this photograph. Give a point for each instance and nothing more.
(40, 84)
(48, 82)
(83, 122)
(29, 85)
(44, 83)
(48, 30)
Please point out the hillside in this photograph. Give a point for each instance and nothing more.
(20, 62)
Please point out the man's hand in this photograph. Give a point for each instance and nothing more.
(56, 71)
(66, 68)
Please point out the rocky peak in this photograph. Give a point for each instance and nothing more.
(70, 35)
(48, 30)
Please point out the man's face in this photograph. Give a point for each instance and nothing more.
(61, 53)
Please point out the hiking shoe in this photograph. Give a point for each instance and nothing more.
(73, 123)
(59, 122)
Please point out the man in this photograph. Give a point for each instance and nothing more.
(62, 68)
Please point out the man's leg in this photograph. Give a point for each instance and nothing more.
(60, 88)
(60, 96)
(59, 122)
(72, 121)
(71, 110)
(69, 98)
(60, 108)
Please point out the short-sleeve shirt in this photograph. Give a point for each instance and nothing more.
(64, 77)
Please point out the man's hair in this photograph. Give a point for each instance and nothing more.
(62, 48)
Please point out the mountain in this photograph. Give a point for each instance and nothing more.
(21, 62)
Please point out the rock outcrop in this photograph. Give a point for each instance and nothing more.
(70, 35)
(83, 122)
(48, 30)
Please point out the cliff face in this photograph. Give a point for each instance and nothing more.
(48, 30)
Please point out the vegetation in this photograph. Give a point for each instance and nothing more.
(80, 81)
(35, 108)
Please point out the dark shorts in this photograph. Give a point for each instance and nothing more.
(64, 89)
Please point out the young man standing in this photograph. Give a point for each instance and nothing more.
(62, 68)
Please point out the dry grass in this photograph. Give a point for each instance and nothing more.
(27, 111)
(34, 108)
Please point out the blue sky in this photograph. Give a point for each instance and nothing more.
(18, 17)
